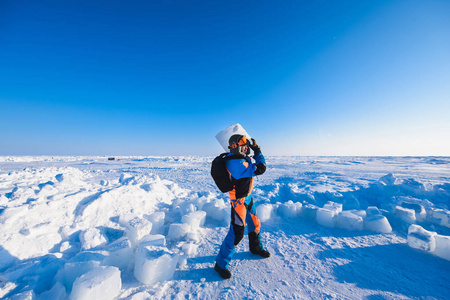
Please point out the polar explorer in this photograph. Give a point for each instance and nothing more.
(242, 172)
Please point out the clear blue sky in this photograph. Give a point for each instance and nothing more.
(163, 77)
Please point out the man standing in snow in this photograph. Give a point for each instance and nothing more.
(242, 172)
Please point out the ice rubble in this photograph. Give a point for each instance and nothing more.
(98, 241)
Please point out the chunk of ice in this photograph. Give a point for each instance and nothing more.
(406, 214)
(421, 239)
(137, 228)
(442, 246)
(223, 136)
(6, 287)
(194, 219)
(57, 292)
(264, 212)
(66, 247)
(377, 223)
(141, 296)
(178, 230)
(217, 210)
(91, 238)
(100, 283)
(193, 236)
(289, 209)
(158, 220)
(388, 179)
(333, 206)
(28, 295)
(190, 249)
(120, 253)
(442, 217)
(125, 178)
(72, 270)
(361, 213)
(349, 221)
(183, 207)
(420, 212)
(372, 211)
(182, 260)
(326, 217)
(153, 240)
(309, 211)
(154, 264)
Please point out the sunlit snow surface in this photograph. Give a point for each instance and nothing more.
(66, 217)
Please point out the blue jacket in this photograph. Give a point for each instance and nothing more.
(242, 171)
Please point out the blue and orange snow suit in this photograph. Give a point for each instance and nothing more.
(243, 212)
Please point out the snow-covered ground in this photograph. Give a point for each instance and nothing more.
(337, 228)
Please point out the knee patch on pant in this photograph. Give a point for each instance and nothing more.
(238, 233)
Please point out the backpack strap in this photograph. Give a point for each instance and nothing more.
(230, 157)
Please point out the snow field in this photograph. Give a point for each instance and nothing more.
(67, 232)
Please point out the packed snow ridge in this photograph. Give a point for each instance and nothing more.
(150, 227)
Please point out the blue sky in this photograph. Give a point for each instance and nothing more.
(163, 77)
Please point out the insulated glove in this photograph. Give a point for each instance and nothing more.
(254, 146)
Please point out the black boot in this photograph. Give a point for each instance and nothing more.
(263, 253)
(256, 246)
(224, 273)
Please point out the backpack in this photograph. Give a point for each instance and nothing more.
(220, 173)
